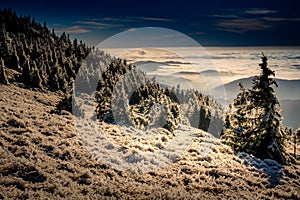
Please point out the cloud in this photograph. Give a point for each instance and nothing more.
(279, 19)
(98, 25)
(155, 19)
(242, 25)
(130, 19)
(197, 33)
(73, 30)
(256, 19)
(113, 19)
(225, 16)
(92, 24)
(257, 11)
(131, 29)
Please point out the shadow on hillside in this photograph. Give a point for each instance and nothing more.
(272, 169)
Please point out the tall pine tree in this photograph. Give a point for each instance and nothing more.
(253, 121)
(3, 77)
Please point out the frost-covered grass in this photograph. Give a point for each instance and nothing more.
(42, 156)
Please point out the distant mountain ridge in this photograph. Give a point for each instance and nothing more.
(290, 112)
(286, 88)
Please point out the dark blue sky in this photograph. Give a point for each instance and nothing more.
(211, 22)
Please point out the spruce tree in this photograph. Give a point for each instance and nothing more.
(253, 121)
(3, 77)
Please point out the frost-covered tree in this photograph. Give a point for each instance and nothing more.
(253, 122)
(3, 78)
(34, 56)
(296, 138)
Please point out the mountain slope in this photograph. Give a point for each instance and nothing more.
(37, 58)
(42, 156)
(31, 54)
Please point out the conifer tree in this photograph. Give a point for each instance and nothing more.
(24, 42)
(253, 121)
(3, 78)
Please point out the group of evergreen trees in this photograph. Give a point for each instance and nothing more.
(127, 95)
(31, 54)
(35, 56)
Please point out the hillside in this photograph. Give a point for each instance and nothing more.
(35, 57)
(61, 139)
(30, 53)
(125, 94)
(42, 156)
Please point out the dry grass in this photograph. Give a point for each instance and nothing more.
(42, 157)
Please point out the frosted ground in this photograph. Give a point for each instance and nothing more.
(44, 157)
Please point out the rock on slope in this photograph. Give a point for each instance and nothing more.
(43, 157)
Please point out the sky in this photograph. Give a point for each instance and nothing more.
(210, 23)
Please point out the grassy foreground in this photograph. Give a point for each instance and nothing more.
(43, 157)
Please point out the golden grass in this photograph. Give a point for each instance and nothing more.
(42, 157)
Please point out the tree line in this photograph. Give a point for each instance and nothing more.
(32, 55)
